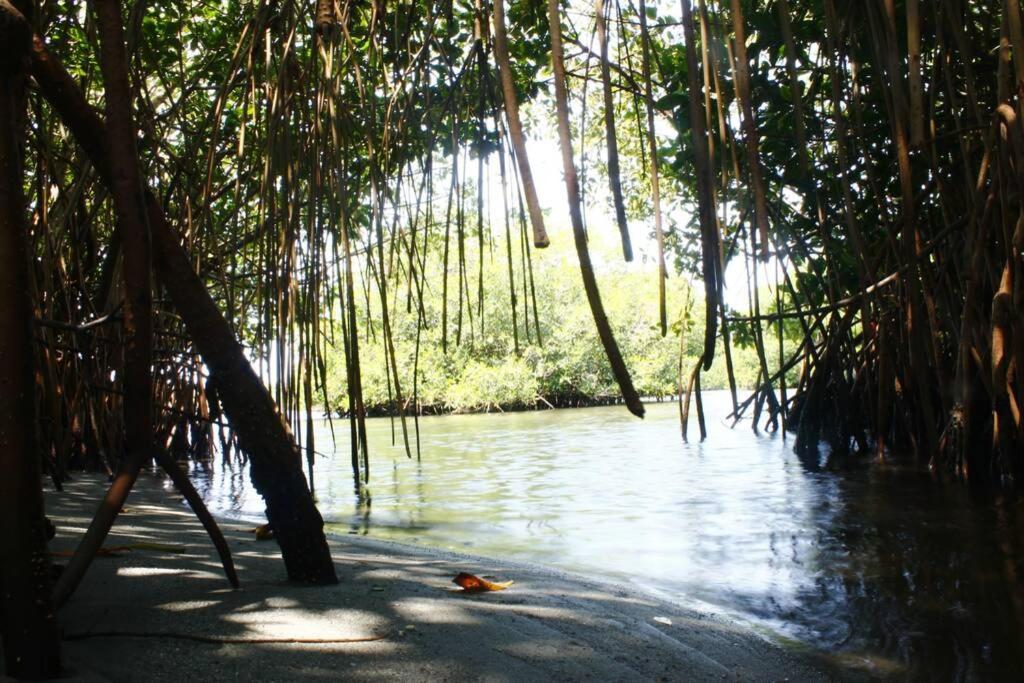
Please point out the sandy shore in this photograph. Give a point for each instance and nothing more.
(171, 616)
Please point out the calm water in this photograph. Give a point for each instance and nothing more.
(880, 566)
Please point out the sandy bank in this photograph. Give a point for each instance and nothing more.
(396, 607)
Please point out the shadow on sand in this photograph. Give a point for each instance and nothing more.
(395, 614)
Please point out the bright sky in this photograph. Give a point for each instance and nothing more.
(546, 165)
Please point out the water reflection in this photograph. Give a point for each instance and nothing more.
(880, 565)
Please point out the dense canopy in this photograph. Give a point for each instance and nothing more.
(286, 167)
(306, 151)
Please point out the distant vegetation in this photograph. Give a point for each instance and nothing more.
(481, 371)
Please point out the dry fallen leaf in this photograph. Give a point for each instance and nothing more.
(474, 584)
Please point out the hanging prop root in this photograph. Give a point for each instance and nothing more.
(126, 188)
(629, 393)
(260, 429)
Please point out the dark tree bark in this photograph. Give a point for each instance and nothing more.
(572, 188)
(326, 18)
(28, 623)
(262, 432)
(188, 491)
(130, 210)
(614, 177)
(705, 192)
(752, 139)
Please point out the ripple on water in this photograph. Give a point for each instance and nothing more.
(880, 565)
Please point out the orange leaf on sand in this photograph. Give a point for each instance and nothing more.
(474, 584)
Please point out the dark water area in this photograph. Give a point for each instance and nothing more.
(878, 566)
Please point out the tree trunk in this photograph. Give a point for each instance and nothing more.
(614, 179)
(750, 128)
(262, 432)
(515, 126)
(28, 623)
(652, 146)
(604, 329)
(710, 248)
(126, 191)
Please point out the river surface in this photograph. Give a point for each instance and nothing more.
(879, 566)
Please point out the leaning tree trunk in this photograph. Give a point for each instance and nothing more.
(28, 624)
(133, 228)
(276, 465)
(572, 188)
(126, 191)
(515, 126)
(710, 257)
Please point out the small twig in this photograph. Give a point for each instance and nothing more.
(60, 325)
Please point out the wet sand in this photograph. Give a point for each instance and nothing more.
(155, 615)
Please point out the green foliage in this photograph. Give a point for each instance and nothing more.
(264, 144)
(484, 372)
